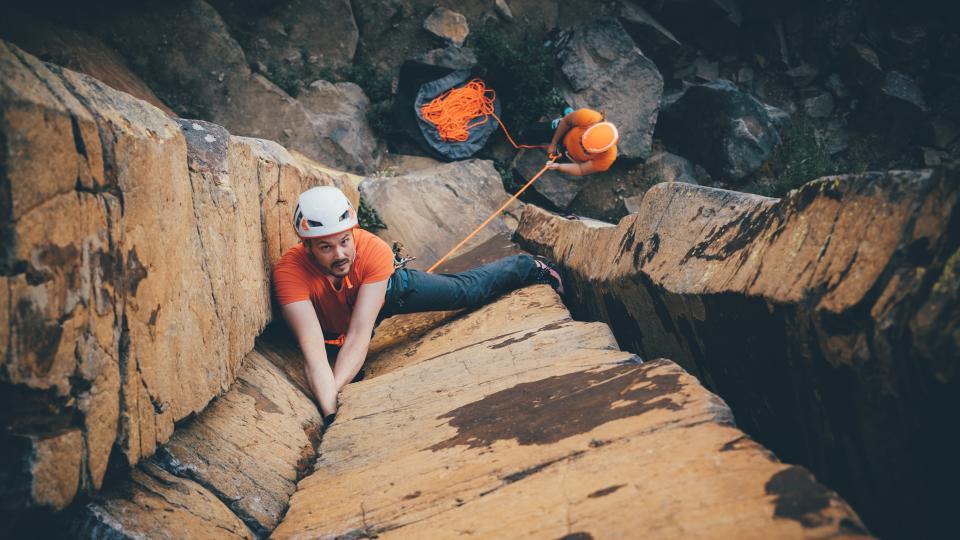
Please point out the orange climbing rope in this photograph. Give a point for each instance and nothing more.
(454, 113)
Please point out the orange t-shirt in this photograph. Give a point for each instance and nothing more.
(297, 277)
(582, 119)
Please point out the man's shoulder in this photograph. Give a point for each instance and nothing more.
(584, 117)
(366, 241)
(295, 257)
(374, 256)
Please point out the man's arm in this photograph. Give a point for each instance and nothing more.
(303, 320)
(355, 345)
(573, 169)
(562, 128)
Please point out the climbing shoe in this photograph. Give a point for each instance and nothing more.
(548, 273)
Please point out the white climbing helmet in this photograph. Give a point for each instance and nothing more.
(322, 211)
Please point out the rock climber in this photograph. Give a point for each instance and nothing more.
(588, 141)
(340, 282)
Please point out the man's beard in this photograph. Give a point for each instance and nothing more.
(340, 268)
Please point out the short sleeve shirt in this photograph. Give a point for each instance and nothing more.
(581, 120)
(297, 277)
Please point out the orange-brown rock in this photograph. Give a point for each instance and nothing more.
(828, 320)
(130, 241)
(516, 421)
(247, 450)
(180, 508)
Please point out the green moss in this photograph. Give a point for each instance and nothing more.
(368, 217)
(510, 183)
(799, 158)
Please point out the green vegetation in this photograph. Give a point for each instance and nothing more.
(376, 84)
(368, 217)
(510, 183)
(521, 71)
(802, 157)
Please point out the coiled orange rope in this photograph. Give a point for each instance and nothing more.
(458, 110)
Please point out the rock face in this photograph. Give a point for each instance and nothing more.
(185, 52)
(239, 460)
(432, 209)
(516, 406)
(130, 241)
(829, 320)
(605, 71)
(727, 131)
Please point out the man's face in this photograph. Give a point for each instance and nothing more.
(334, 254)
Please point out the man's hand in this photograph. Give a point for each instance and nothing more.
(354, 351)
(552, 149)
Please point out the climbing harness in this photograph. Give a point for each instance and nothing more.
(454, 113)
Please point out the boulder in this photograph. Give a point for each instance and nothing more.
(729, 132)
(818, 103)
(503, 9)
(102, 314)
(447, 25)
(431, 210)
(712, 25)
(861, 66)
(296, 41)
(605, 71)
(186, 54)
(830, 27)
(831, 311)
(654, 40)
(699, 71)
(896, 111)
(556, 188)
(611, 195)
(835, 137)
(516, 406)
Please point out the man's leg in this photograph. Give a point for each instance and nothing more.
(413, 291)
